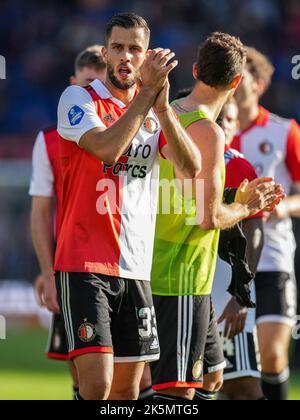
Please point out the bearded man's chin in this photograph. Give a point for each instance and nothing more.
(118, 84)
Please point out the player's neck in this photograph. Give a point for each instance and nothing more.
(207, 99)
(248, 115)
(124, 95)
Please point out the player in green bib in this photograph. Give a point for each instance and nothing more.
(185, 255)
(191, 214)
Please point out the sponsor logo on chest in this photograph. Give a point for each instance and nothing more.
(138, 158)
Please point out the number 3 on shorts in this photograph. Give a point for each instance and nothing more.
(147, 316)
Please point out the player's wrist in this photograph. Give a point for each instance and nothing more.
(246, 211)
(162, 109)
(48, 274)
(243, 207)
(149, 93)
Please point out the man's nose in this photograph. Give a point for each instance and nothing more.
(126, 56)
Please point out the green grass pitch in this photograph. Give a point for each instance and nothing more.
(25, 374)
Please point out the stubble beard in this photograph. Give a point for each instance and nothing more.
(114, 80)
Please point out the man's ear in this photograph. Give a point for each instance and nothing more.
(236, 81)
(195, 71)
(104, 54)
(73, 80)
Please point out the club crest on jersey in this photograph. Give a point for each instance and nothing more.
(198, 369)
(266, 148)
(87, 332)
(151, 125)
(75, 115)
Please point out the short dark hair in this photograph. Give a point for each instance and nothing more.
(220, 59)
(127, 21)
(259, 66)
(90, 57)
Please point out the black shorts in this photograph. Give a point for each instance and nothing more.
(57, 347)
(276, 298)
(240, 357)
(105, 314)
(189, 340)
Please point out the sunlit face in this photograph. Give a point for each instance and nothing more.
(124, 56)
(87, 75)
(230, 123)
(247, 92)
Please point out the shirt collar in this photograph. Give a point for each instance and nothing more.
(261, 120)
(263, 117)
(104, 93)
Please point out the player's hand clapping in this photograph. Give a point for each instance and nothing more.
(162, 102)
(156, 69)
(262, 194)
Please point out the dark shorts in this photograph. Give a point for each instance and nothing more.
(105, 314)
(240, 357)
(57, 347)
(276, 298)
(189, 340)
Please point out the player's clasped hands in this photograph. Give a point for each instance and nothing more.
(262, 194)
(156, 68)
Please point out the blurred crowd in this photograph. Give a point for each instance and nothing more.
(17, 258)
(41, 39)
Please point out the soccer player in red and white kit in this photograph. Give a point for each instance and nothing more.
(46, 192)
(242, 379)
(111, 134)
(272, 145)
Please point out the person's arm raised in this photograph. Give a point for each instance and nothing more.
(109, 144)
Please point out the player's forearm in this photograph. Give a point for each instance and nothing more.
(185, 154)
(254, 233)
(111, 144)
(42, 237)
(225, 216)
(229, 215)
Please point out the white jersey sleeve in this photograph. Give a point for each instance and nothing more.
(76, 114)
(42, 180)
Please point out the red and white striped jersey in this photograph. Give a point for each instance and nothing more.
(46, 178)
(272, 145)
(109, 211)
